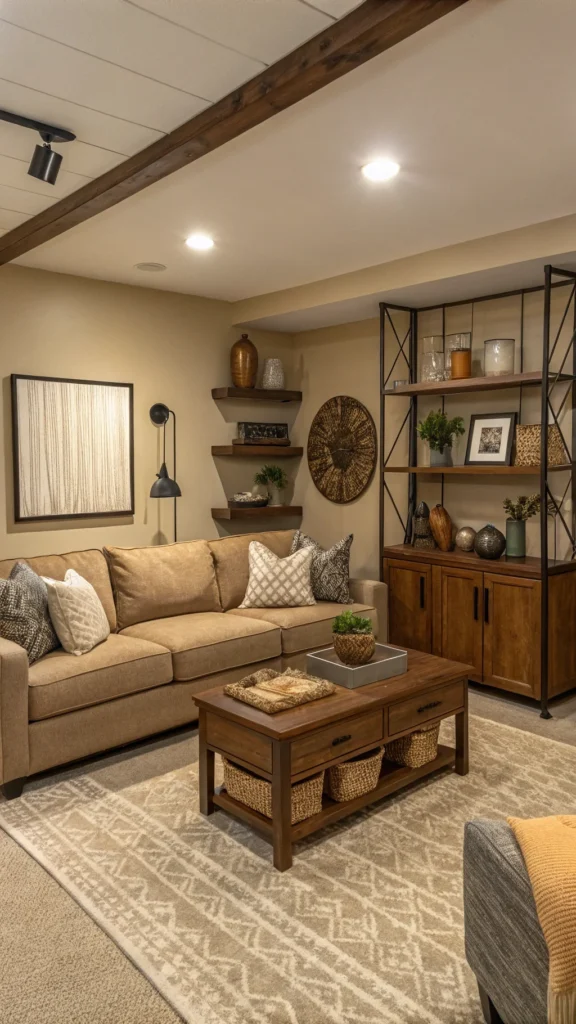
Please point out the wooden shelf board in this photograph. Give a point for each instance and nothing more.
(266, 512)
(392, 778)
(531, 378)
(239, 451)
(257, 394)
(477, 470)
(528, 566)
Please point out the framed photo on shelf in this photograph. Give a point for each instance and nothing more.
(490, 439)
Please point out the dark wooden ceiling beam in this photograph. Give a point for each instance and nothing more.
(371, 28)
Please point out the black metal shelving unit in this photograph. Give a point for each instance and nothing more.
(405, 362)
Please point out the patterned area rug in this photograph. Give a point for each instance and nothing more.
(367, 926)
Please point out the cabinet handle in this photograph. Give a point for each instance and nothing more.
(476, 604)
(486, 605)
(427, 707)
(341, 739)
(422, 594)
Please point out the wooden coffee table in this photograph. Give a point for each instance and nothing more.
(292, 745)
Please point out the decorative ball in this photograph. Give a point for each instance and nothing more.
(465, 538)
(489, 542)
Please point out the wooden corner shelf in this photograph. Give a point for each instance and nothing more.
(239, 451)
(265, 512)
(477, 470)
(531, 378)
(256, 394)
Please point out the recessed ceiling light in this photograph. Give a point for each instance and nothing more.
(380, 170)
(199, 242)
(152, 268)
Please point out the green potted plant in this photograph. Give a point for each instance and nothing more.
(353, 638)
(275, 480)
(438, 432)
(518, 512)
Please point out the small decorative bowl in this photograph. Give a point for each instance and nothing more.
(354, 648)
(245, 499)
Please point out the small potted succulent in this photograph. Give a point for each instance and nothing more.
(439, 432)
(275, 480)
(518, 512)
(353, 638)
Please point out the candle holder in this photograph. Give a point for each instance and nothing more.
(499, 356)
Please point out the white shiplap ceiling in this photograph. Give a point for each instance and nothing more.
(122, 73)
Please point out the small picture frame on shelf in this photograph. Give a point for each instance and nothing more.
(490, 439)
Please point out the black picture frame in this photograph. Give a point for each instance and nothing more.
(511, 418)
(18, 517)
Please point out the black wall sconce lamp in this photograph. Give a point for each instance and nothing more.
(165, 486)
(45, 163)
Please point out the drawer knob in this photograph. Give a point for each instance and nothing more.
(341, 739)
(432, 704)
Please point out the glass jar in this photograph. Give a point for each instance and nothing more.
(456, 343)
(499, 356)
(432, 364)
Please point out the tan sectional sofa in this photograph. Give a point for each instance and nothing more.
(176, 630)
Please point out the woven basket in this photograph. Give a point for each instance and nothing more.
(416, 749)
(353, 778)
(256, 793)
(354, 648)
(528, 439)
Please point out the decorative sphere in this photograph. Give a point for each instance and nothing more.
(489, 542)
(465, 538)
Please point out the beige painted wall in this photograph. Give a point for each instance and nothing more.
(174, 348)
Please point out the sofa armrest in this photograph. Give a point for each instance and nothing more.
(504, 943)
(374, 593)
(14, 758)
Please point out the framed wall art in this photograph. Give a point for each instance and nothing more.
(73, 448)
(490, 439)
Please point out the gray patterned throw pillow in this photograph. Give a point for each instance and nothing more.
(330, 572)
(24, 616)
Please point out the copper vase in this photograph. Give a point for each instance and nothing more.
(244, 363)
(441, 526)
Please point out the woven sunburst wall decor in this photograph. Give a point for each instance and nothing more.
(342, 449)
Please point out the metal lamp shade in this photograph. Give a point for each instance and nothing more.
(164, 487)
(45, 164)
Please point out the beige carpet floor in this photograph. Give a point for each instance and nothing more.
(366, 927)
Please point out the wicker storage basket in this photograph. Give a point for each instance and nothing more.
(256, 793)
(353, 778)
(416, 749)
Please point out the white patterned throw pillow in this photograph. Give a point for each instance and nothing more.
(76, 612)
(278, 582)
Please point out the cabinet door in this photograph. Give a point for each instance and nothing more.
(462, 613)
(511, 608)
(410, 604)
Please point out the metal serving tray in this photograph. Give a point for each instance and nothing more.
(385, 663)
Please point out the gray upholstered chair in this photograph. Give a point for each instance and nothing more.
(505, 946)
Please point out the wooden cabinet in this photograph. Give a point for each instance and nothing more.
(461, 613)
(410, 604)
(512, 634)
(484, 614)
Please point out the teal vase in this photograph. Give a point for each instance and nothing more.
(515, 538)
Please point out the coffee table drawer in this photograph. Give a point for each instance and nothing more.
(409, 714)
(231, 739)
(344, 736)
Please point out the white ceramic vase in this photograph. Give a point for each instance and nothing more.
(273, 376)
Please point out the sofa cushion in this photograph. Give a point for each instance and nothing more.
(120, 665)
(90, 564)
(231, 561)
(209, 642)
(307, 627)
(167, 579)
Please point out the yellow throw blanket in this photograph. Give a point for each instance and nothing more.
(549, 849)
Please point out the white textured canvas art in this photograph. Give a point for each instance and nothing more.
(72, 448)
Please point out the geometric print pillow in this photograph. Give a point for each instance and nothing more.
(77, 613)
(330, 572)
(278, 582)
(24, 616)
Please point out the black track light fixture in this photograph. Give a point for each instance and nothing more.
(45, 163)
